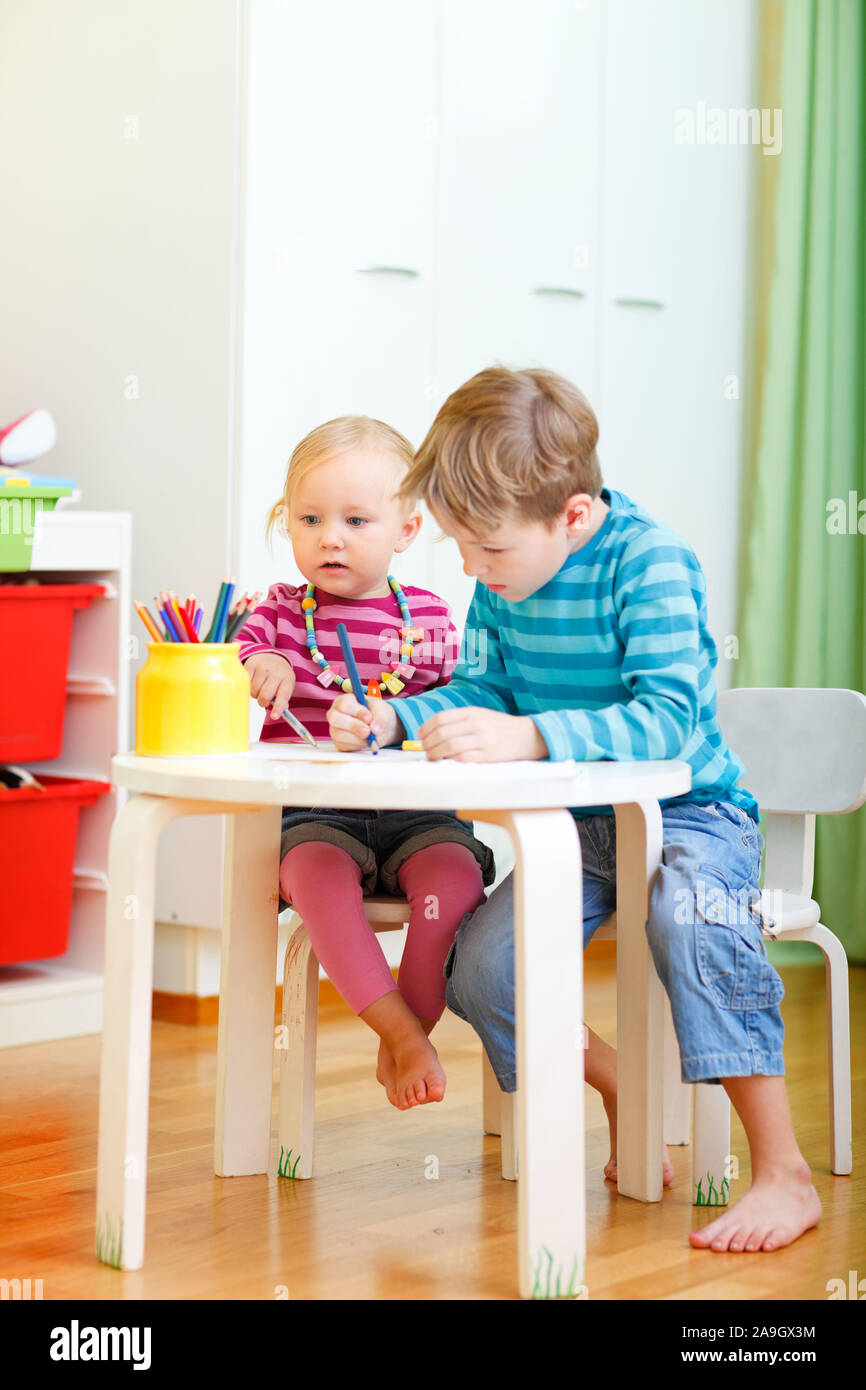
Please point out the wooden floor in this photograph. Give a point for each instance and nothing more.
(375, 1223)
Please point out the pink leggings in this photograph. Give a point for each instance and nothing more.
(323, 884)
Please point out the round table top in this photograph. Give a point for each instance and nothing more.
(285, 774)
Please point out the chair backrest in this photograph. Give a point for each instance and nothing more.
(804, 750)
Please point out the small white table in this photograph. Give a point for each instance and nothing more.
(529, 800)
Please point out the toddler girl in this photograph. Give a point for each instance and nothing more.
(340, 512)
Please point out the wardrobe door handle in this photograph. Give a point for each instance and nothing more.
(388, 270)
(635, 303)
(560, 289)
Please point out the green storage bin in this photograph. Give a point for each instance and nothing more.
(19, 507)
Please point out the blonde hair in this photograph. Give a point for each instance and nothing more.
(505, 443)
(329, 441)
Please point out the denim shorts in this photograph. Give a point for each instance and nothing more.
(704, 932)
(380, 841)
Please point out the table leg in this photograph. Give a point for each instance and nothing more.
(639, 1000)
(245, 1048)
(124, 1081)
(548, 949)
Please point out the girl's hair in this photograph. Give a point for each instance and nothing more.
(329, 441)
(508, 443)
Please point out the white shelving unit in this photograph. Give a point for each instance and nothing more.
(62, 997)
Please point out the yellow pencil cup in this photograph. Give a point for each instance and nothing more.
(192, 697)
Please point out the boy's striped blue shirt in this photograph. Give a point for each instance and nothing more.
(612, 658)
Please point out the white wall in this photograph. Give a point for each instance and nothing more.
(117, 262)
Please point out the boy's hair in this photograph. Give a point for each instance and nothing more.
(507, 443)
(329, 441)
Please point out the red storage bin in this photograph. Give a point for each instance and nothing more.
(38, 830)
(35, 635)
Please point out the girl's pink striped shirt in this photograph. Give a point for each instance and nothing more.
(373, 624)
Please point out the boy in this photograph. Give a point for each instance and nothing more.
(597, 647)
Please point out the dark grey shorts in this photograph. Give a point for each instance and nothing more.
(380, 841)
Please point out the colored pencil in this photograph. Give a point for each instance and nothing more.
(187, 622)
(182, 622)
(159, 605)
(210, 634)
(237, 622)
(176, 613)
(151, 626)
(171, 626)
(187, 630)
(298, 727)
(173, 634)
(220, 634)
(357, 687)
(170, 621)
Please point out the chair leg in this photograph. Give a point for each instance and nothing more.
(491, 1097)
(509, 1135)
(838, 1041)
(298, 1055)
(677, 1095)
(500, 1117)
(711, 1146)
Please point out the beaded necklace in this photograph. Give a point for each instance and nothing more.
(390, 684)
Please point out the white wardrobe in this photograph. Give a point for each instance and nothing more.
(433, 186)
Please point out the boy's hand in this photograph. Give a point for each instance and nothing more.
(272, 680)
(474, 735)
(350, 723)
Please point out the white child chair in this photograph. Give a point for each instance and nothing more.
(299, 1030)
(804, 752)
(300, 1010)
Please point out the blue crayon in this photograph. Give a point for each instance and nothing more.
(357, 687)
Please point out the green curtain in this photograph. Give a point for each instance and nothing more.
(802, 614)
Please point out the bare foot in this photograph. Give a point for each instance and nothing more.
(408, 1065)
(419, 1076)
(386, 1071)
(774, 1212)
(610, 1170)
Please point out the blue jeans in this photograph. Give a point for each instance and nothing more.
(703, 930)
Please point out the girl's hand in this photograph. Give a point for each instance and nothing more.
(272, 680)
(350, 723)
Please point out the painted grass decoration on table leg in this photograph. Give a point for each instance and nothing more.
(713, 1197)
(556, 1291)
(109, 1246)
(283, 1168)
